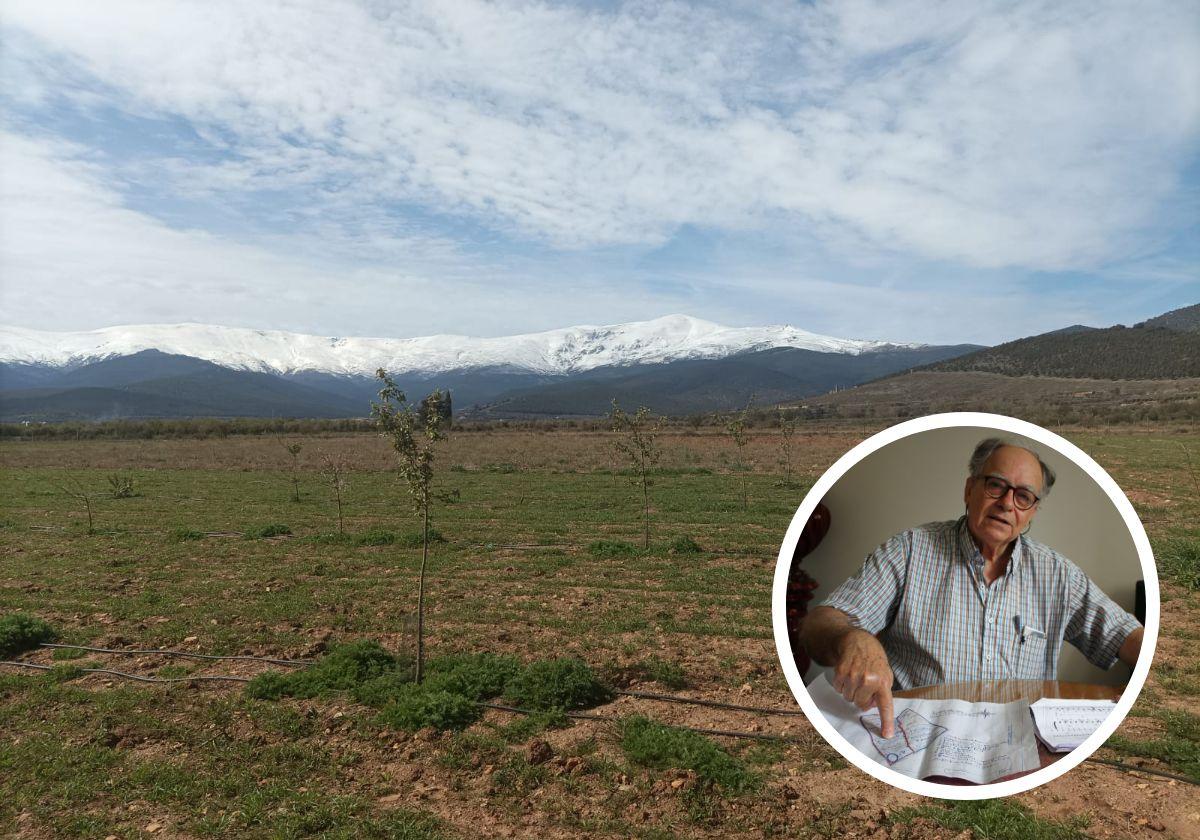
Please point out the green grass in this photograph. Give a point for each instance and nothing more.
(665, 672)
(611, 548)
(994, 819)
(1178, 560)
(414, 539)
(556, 684)
(263, 532)
(20, 632)
(178, 535)
(685, 545)
(1178, 747)
(515, 575)
(662, 747)
(343, 669)
(210, 787)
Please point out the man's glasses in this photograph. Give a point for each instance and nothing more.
(998, 488)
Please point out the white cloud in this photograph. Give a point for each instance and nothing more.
(74, 257)
(1045, 135)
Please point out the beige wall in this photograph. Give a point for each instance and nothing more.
(920, 479)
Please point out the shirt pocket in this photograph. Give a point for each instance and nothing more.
(1031, 656)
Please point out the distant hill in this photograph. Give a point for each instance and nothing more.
(1038, 399)
(1143, 352)
(1186, 319)
(153, 384)
(703, 385)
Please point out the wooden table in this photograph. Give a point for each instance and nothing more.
(1007, 691)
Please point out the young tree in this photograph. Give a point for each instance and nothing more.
(787, 428)
(413, 438)
(635, 440)
(334, 469)
(736, 429)
(75, 489)
(293, 449)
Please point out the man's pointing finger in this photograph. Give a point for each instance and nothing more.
(887, 724)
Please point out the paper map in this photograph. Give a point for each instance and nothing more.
(979, 742)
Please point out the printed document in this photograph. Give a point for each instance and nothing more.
(1062, 725)
(979, 742)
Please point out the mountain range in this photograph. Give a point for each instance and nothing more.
(675, 364)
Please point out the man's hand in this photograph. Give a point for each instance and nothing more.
(861, 671)
(864, 677)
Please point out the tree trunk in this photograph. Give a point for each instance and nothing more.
(421, 594)
(646, 510)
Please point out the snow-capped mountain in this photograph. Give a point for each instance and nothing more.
(555, 352)
(676, 365)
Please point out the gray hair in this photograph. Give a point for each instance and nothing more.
(984, 450)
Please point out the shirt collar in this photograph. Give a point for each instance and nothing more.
(971, 553)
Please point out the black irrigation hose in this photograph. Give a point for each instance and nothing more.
(758, 736)
(185, 654)
(673, 698)
(573, 715)
(127, 676)
(1129, 768)
(607, 719)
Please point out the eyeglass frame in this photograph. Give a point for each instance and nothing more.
(1007, 487)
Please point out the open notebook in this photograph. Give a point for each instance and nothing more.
(1062, 725)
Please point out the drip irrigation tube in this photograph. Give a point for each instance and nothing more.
(722, 733)
(1129, 768)
(137, 677)
(608, 719)
(716, 704)
(185, 654)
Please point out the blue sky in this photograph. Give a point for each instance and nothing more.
(904, 171)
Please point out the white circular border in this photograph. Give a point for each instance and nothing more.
(945, 421)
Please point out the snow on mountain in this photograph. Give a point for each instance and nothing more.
(568, 350)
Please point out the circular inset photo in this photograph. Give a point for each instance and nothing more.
(965, 605)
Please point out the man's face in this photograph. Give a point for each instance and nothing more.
(997, 522)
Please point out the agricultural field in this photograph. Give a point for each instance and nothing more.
(199, 546)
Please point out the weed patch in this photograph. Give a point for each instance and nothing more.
(267, 531)
(419, 706)
(179, 535)
(662, 671)
(477, 676)
(413, 539)
(685, 545)
(344, 668)
(20, 632)
(662, 747)
(995, 819)
(375, 536)
(526, 726)
(611, 548)
(549, 684)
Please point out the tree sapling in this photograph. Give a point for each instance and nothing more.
(334, 469)
(293, 449)
(636, 441)
(413, 436)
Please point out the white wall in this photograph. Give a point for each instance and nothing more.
(920, 479)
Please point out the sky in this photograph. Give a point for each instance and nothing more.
(909, 171)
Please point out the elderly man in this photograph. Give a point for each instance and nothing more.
(969, 600)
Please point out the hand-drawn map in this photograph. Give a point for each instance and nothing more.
(913, 734)
(979, 742)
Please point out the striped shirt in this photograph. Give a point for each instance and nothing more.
(923, 593)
